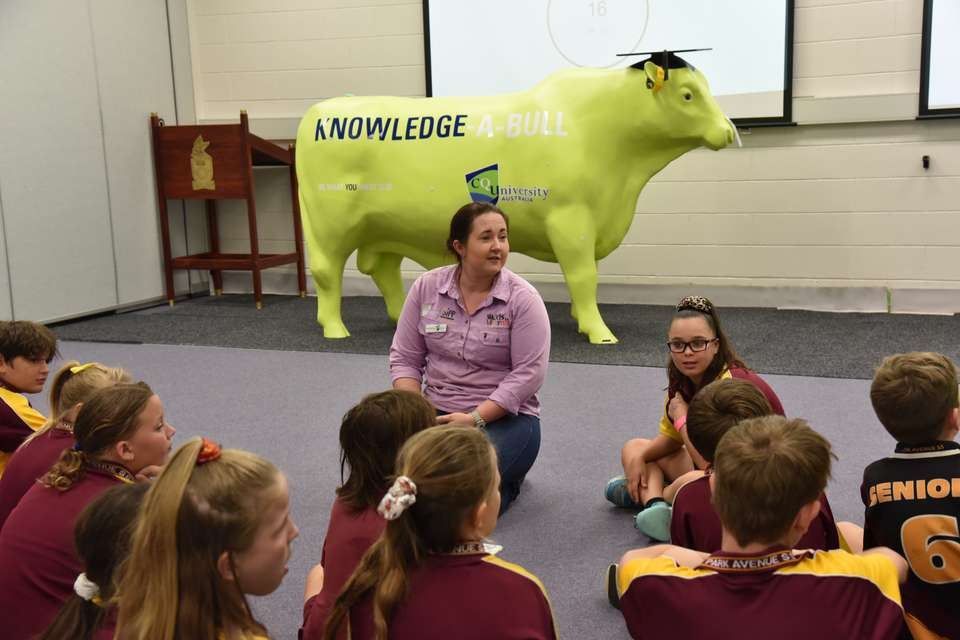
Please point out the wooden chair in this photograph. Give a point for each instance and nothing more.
(214, 162)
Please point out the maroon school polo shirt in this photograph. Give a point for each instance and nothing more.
(28, 464)
(467, 597)
(349, 535)
(38, 561)
(776, 594)
(695, 525)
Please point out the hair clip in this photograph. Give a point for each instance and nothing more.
(83, 367)
(697, 303)
(209, 451)
(401, 495)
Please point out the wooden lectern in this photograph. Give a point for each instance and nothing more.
(214, 162)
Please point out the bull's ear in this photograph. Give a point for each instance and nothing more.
(655, 75)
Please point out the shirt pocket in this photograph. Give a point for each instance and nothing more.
(495, 338)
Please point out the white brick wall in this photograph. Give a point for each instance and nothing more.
(839, 202)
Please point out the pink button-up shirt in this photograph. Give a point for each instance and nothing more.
(499, 352)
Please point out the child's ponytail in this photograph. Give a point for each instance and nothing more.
(206, 502)
(102, 538)
(108, 417)
(74, 383)
(453, 470)
(151, 570)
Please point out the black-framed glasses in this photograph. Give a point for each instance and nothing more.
(697, 344)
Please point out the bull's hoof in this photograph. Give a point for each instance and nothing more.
(600, 335)
(335, 332)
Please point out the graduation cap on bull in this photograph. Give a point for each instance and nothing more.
(664, 61)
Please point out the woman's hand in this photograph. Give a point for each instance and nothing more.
(677, 407)
(456, 419)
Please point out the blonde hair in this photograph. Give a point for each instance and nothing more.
(767, 469)
(913, 393)
(68, 389)
(170, 585)
(454, 470)
(109, 416)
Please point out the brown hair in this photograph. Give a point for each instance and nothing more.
(109, 416)
(717, 407)
(726, 355)
(462, 223)
(913, 393)
(170, 586)
(454, 470)
(102, 538)
(68, 389)
(371, 434)
(766, 470)
(31, 340)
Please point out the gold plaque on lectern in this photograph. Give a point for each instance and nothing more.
(201, 165)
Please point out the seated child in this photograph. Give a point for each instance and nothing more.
(371, 435)
(912, 498)
(430, 576)
(714, 411)
(700, 352)
(120, 434)
(26, 349)
(769, 474)
(214, 527)
(102, 536)
(72, 385)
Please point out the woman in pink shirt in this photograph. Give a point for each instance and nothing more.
(474, 338)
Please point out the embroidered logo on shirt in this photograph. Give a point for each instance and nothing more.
(497, 320)
(448, 314)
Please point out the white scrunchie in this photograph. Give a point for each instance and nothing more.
(401, 495)
(85, 588)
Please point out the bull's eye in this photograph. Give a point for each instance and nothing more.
(688, 96)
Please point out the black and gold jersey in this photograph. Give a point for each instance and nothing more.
(912, 504)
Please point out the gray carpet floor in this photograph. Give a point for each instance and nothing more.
(835, 345)
(286, 405)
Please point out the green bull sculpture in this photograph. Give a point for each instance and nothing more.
(566, 161)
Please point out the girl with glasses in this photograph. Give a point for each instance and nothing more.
(700, 352)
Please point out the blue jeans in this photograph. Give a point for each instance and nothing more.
(517, 441)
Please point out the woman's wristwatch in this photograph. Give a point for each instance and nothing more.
(478, 420)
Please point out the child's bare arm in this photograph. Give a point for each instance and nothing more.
(683, 557)
(898, 562)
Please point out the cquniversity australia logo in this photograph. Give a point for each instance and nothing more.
(483, 185)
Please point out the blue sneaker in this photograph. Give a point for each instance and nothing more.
(654, 521)
(616, 492)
